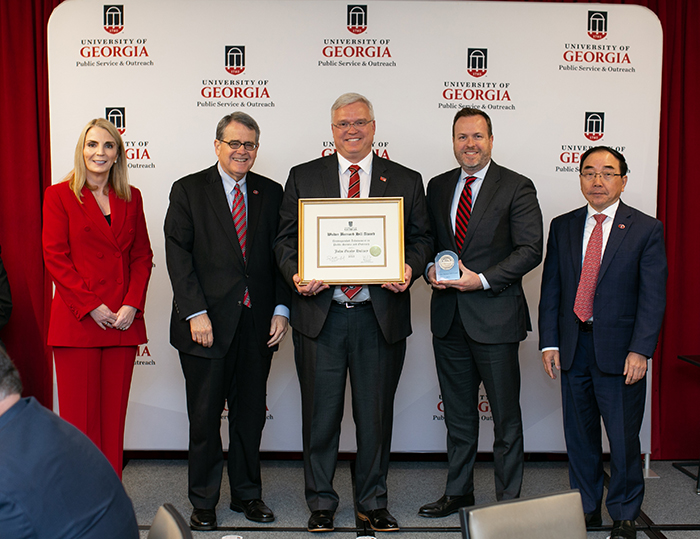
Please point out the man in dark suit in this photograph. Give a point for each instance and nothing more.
(230, 311)
(5, 298)
(601, 307)
(361, 329)
(54, 482)
(490, 217)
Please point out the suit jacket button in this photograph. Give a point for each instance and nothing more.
(102, 281)
(100, 255)
(117, 255)
(87, 229)
(119, 281)
(240, 303)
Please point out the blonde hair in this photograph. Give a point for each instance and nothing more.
(118, 175)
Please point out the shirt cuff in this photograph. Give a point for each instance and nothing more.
(484, 282)
(190, 317)
(281, 310)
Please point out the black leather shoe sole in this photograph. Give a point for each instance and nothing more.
(256, 512)
(203, 520)
(380, 520)
(321, 521)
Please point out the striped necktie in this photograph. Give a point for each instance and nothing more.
(353, 192)
(464, 212)
(239, 221)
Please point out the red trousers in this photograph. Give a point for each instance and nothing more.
(93, 393)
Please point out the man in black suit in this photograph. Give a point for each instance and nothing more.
(362, 329)
(489, 216)
(601, 307)
(230, 311)
(5, 298)
(54, 482)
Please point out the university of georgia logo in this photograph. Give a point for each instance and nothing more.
(113, 19)
(595, 125)
(117, 115)
(476, 62)
(597, 24)
(235, 59)
(357, 18)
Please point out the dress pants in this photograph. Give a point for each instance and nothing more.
(93, 394)
(351, 340)
(462, 364)
(587, 395)
(239, 379)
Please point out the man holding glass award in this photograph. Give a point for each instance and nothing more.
(487, 225)
(340, 328)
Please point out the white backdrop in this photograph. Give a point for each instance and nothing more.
(554, 78)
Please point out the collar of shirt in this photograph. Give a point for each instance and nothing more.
(609, 213)
(476, 187)
(365, 174)
(230, 184)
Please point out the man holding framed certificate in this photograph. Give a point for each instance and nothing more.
(362, 329)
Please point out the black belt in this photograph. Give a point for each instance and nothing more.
(352, 304)
(585, 327)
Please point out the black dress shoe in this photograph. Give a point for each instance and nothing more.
(446, 506)
(380, 520)
(624, 529)
(321, 521)
(254, 510)
(593, 520)
(203, 520)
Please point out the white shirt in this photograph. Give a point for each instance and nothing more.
(365, 173)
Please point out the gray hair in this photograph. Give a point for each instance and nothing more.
(241, 118)
(10, 382)
(349, 99)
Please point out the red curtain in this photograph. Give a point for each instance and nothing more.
(25, 173)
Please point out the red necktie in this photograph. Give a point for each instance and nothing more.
(238, 212)
(353, 192)
(464, 212)
(583, 306)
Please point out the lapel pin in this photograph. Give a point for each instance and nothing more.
(255, 192)
(621, 226)
(382, 179)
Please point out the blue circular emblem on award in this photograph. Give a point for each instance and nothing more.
(446, 266)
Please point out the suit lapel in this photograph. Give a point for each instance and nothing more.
(576, 225)
(118, 210)
(489, 187)
(379, 181)
(444, 202)
(255, 201)
(621, 226)
(94, 213)
(214, 189)
(330, 178)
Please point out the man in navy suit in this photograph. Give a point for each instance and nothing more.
(601, 307)
(54, 482)
(230, 311)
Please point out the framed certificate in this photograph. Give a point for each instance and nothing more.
(351, 240)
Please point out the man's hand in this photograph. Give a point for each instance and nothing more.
(278, 329)
(310, 289)
(550, 360)
(398, 287)
(438, 285)
(635, 368)
(201, 330)
(468, 282)
(103, 316)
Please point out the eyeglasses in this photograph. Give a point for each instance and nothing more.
(235, 144)
(605, 175)
(359, 124)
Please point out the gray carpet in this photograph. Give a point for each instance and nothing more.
(670, 501)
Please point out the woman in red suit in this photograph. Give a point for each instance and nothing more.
(97, 251)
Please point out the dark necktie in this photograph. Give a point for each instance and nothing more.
(239, 221)
(583, 306)
(353, 192)
(464, 212)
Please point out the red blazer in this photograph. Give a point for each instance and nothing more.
(93, 263)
